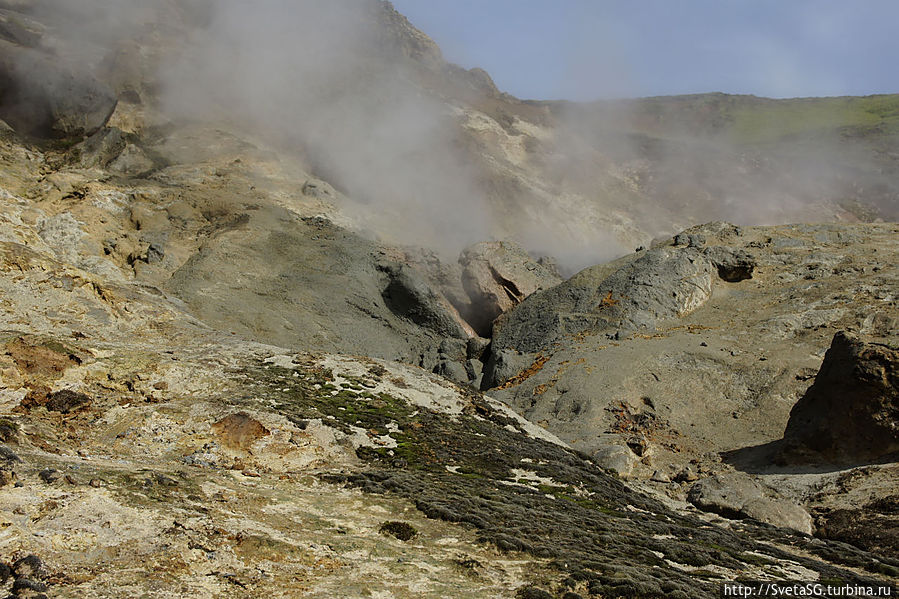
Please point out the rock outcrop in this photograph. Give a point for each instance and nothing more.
(736, 495)
(658, 284)
(42, 96)
(851, 412)
(499, 275)
(410, 296)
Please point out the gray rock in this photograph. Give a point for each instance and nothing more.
(733, 264)
(454, 371)
(851, 412)
(454, 349)
(738, 496)
(132, 161)
(476, 347)
(102, 147)
(695, 240)
(503, 365)
(498, 275)
(616, 458)
(474, 368)
(410, 296)
(660, 477)
(47, 98)
(660, 283)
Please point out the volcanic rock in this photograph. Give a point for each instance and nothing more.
(660, 283)
(733, 265)
(44, 97)
(498, 275)
(737, 495)
(851, 412)
(410, 296)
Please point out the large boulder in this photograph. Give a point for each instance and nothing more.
(851, 412)
(43, 96)
(661, 283)
(735, 495)
(497, 276)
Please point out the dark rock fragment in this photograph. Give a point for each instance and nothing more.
(50, 475)
(532, 593)
(8, 454)
(66, 401)
(26, 587)
(401, 530)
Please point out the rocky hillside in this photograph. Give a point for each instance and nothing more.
(317, 331)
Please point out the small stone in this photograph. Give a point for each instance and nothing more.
(96, 483)
(660, 477)
(688, 474)
(7, 477)
(8, 454)
(5, 572)
(50, 475)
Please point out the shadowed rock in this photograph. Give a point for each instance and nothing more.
(408, 295)
(498, 275)
(44, 97)
(851, 413)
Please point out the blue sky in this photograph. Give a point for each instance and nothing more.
(587, 49)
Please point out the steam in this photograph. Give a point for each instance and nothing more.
(586, 184)
(316, 76)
